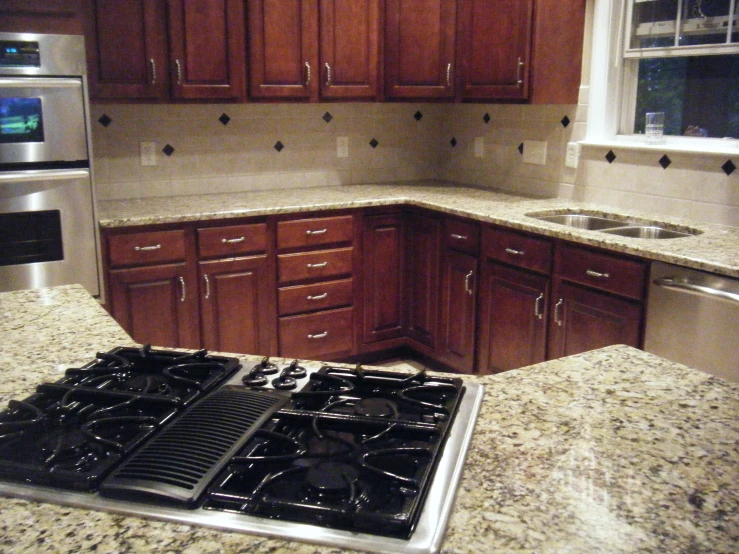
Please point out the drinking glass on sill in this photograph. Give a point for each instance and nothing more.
(655, 127)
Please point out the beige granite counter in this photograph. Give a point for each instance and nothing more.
(613, 451)
(715, 249)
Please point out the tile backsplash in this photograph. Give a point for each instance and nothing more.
(241, 147)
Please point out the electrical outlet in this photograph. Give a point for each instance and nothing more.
(342, 147)
(148, 153)
(535, 152)
(572, 155)
(479, 147)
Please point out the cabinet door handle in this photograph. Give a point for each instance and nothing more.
(537, 306)
(467, 282)
(322, 264)
(184, 290)
(207, 286)
(178, 65)
(147, 248)
(597, 274)
(514, 252)
(458, 237)
(317, 296)
(328, 75)
(449, 74)
(316, 232)
(307, 74)
(153, 65)
(233, 241)
(319, 335)
(519, 70)
(557, 318)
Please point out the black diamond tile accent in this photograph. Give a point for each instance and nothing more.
(520, 148)
(417, 116)
(168, 150)
(373, 143)
(486, 118)
(664, 161)
(279, 146)
(610, 156)
(565, 121)
(728, 167)
(104, 120)
(224, 119)
(327, 117)
(453, 142)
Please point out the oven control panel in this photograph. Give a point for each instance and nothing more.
(15, 53)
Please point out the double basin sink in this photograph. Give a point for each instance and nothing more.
(613, 226)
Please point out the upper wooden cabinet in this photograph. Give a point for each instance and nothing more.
(494, 42)
(157, 49)
(420, 48)
(41, 16)
(313, 49)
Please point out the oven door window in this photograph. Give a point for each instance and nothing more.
(28, 237)
(21, 120)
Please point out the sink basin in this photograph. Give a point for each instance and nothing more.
(582, 221)
(647, 232)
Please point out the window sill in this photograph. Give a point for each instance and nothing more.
(712, 147)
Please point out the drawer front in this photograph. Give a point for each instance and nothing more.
(232, 240)
(518, 249)
(304, 233)
(321, 264)
(147, 248)
(602, 271)
(320, 296)
(314, 335)
(463, 236)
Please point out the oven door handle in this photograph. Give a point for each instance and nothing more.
(48, 82)
(44, 175)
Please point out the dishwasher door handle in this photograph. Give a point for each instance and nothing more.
(684, 285)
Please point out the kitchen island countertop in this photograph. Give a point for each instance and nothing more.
(613, 450)
(715, 249)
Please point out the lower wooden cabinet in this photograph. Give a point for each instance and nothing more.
(157, 304)
(422, 273)
(458, 309)
(322, 335)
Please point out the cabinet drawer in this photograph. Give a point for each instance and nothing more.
(320, 264)
(147, 248)
(320, 296)
(518, 249)
(463, 236)
(232, 240)
(314, 335)
(302, 233)
(602, 271)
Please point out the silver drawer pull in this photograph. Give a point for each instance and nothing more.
(597, 274)
(467, 280)
(207, 286)
(317, 232)
(514, 252)
(319, 335)
(184, 291)
(537, 306)
(233, 241)
(557, 318)
(313, 266)
(317, 296)
(458, 237)
(147, 248)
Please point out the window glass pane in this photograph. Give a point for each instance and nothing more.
(699, 95)
(704, 22)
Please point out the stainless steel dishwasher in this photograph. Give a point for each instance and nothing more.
(693, 319)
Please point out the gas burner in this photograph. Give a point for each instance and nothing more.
(332, 479)
(147, 384)
(376, 407)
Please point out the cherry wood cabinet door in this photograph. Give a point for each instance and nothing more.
(495, 48)
(419, 48)
(283, 49)
(157, 305)
(127, 49)
(513, 318)
(237, 303)
(349, 48)
(384, 285)
(423, 253)
(207, 51)
(584, 319)
(458, 310)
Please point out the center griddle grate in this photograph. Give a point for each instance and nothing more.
(176, 466)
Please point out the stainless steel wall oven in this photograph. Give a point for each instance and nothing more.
(47, 214)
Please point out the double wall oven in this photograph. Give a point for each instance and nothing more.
(47, 221)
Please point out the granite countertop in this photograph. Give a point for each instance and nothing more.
(613, 450)
(716, 249)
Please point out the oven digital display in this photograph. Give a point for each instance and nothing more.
(21, 120)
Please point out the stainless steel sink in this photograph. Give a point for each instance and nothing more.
(647, 232)
(582, 221)
(623, 228)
